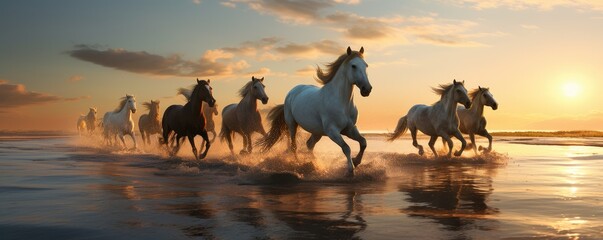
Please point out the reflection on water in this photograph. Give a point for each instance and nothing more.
(51, 189)
(454, 196)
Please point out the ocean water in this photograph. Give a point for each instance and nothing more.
(74, 188)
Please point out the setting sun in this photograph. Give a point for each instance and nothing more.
(571, 89)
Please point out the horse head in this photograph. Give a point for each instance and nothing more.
(355, 70)
(460, 93)
(258, 89)
(131, 103)
(487, 98)
(205, 92)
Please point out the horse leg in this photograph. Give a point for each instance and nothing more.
(123, 141)
(245, 143)
(133, 135)
(472, 138)
(485, 133)
(335, 136)
(293, 135)
(446, 137)
(249, 145)
(213, 138)
(207, 144)
(191, 139)
(229, 140)
(312, 141)
(354, 134)
(413, 133)
(142, 135)
(432, 141)
(459, 136)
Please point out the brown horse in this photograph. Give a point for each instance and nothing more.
(244, 118)
(210, 125)
(188, 120)
(149, 124)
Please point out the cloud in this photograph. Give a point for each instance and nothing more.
(75, 78)
(596, 5)
(311, 49)
(213, 62)
(15, 95)
(306, 71)
(229, 4)
(528, 26)
(197, 1)
(588, 121)
(385, 30)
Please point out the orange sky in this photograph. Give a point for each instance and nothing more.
(541, 59)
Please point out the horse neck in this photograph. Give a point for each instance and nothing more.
(339, 87)
(195, 106)
(153, 113)
(90, 116)
(248, 102)
(448, 104)
(477, 107)
(125, 112)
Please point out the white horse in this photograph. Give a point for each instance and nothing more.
(329, 110)
(438, 120)
(473, 120)
(119, 122)
(87, 122)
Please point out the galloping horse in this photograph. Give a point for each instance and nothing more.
(438, 120)
(244, 118)
(472, 119)
(87, 122)
(329, 110)
(119, 122)
(210, 125)
(188, 120)
(149, 124)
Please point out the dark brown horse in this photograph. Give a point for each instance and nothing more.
(188, 120)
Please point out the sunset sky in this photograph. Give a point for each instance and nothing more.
(542, 59)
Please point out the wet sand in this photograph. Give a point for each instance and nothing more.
(67, 188)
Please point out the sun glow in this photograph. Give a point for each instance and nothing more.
(571, 89)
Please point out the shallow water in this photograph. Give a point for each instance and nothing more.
(66, 188)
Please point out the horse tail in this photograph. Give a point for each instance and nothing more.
(276, 117)
(224, 132)
(400, 129)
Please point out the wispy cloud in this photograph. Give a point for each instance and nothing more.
(213, 63)
(393, 30)
(75, 78)
(596, 5)
(16, 95)
(529, 26)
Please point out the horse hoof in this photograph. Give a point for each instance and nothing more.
(201, 156)
(243, 152)
(458, 153)
(350, 174)
(356, 161)
(421, 152)
(480, 148)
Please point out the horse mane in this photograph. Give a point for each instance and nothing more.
(331, 68)
(122, 103)
(245, 89)
(187, 92)
(475, 92)
(442, 89)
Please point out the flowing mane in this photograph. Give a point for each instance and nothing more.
(149, 105)
(245, 89)
(122, 103)
(326, 77)
(475, 92)
(187, 92)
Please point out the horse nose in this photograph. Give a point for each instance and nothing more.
(468, 104)
(265, 100)
(495, 106)
(365, 91)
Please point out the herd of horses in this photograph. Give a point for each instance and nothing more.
(322, 111)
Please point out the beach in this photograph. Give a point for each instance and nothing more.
(69, 187)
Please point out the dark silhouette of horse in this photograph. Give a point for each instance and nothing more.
(188, 120)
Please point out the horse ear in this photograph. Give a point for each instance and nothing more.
(252, 78)
(262, 79)
(198, 81)
(208, 81)
(349, 50)
(361, 50)
(463, 81)
(479, 87)
(454, 81)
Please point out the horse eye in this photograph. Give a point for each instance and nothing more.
(354, 66)
(256, 87)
